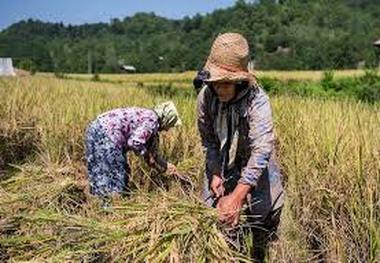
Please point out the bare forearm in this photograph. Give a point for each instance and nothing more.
(241, 191)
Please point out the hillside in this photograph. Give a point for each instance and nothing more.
(288, 34)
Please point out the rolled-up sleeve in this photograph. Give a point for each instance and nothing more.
(205, 126)
(261, 138)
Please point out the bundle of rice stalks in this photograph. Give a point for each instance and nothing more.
(47, 215)
(35, 187)
(145, 228)
(146, 179)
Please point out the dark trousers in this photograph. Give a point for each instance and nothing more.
(253, 237)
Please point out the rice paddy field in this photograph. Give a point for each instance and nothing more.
(187, 77)
(184, 79)
(329, 152)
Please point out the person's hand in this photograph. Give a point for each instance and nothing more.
(216, 186)
(150, 159)
(229, 209)
(171, 169)
(229, 206)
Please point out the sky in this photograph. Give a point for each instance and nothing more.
(90, 11)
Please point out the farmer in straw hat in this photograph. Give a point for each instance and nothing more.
(115, 132)
(235, 124)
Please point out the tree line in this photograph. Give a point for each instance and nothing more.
(283, 35)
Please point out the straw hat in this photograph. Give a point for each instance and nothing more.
(228, 59)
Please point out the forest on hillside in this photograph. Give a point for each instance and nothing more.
(287, 34)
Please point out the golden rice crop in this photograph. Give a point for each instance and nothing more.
(185, 78)
(47, 215)
(329, 151)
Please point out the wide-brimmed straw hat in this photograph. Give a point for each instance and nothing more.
(228, 59)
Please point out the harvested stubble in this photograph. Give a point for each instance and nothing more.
(34, 187)
(157, 227)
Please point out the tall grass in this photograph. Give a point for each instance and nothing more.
(330, 155)
(329, 151)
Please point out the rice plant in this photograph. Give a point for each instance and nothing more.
(329, 151)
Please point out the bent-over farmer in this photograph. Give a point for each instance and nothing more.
(235, 124)
(112, 134)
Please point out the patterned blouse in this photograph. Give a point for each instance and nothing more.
(130, 127)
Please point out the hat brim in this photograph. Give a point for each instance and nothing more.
(218, 74)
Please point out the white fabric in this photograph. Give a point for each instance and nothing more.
(6, 67)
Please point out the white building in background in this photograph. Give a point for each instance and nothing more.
(128, 68)
(6, 67)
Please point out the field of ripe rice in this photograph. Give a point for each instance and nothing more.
(329, 152)
(185, 78)
(189, 75)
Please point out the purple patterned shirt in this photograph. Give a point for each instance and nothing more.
(130, 127)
